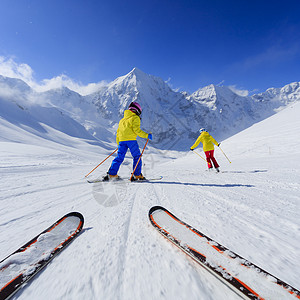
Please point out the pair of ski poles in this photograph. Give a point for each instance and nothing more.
(141, 157)
(220, 149)
(112, 154)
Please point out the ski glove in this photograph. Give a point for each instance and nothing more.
(150, 136)
(192, 149)
(219, 144)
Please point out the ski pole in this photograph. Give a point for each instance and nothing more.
(201, 157)
(139, 159)
(225, 155)
(101, 163)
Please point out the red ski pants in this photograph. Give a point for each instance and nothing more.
(210, 159)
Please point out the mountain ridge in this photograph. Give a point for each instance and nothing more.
(173, 117)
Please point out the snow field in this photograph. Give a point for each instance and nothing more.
(252, 208)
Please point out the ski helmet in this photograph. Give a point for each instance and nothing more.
(135, 107)
(201, 130)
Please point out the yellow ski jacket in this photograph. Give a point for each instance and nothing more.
(129, 128)
(207, 140)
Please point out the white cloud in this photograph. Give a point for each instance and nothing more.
(239, 91)
(65, 81)
(10, 68)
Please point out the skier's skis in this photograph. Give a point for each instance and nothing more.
(242, 276)
(149, 180)
(27, 261)
(120, 179)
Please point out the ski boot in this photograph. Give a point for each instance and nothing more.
(109, 177)
(138, 177)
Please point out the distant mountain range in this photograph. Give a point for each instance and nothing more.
(173, 117)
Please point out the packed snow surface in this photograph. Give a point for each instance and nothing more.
(251, 207)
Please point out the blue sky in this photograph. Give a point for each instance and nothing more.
(252, 45)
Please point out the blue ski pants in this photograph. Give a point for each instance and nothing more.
(122, 149)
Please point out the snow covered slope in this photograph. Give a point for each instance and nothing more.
(251, 207)
(34, 114)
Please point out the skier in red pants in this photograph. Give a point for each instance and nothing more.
(208, 147)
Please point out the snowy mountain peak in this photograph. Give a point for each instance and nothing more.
(138, 74)
(293, 87)
(135, 78)
(285, 95)
(212, 94)
(14, 83)
(205, 92)
(128, 80)
(62, 92)
(134, 86)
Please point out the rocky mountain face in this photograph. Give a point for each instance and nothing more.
(173, 117)
(176, 117)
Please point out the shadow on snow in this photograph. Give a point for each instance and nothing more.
(202, 184)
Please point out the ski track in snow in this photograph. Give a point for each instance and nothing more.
(251, 207)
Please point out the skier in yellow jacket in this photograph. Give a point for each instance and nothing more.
(208, 147)
(128, 130)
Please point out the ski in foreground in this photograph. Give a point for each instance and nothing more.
(123, 180)
(243, 277)
(28, 260)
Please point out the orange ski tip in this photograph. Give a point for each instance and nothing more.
(216, 248)
(248, 288)
(196, 251)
